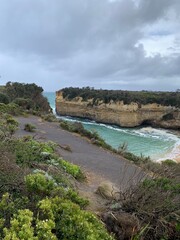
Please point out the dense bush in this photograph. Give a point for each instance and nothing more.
(28, 96)
(24, 103)
(72, 169)
(56, 218)
(10, 108)
(4, 98)
(29, 151)
(141, 97)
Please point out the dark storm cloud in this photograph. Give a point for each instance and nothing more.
(87, 42)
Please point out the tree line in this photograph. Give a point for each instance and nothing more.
(140, 97)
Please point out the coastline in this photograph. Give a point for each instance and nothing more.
(172, 155)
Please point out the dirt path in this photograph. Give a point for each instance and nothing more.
(99, 164)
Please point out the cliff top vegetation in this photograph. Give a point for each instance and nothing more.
(141, 97)
(27, 96)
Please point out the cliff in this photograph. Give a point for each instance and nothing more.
(124, 115)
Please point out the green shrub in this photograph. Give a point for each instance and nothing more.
(72, 223)
(8, 126)
(39, 184)
(21, 227)
(54, 218)
(49, 118)
(29, 127)
(28, 96)
(4, 98)
(11, 120)
(10, 108)
(28, 151)
(169, 162)
(24, 103)
(72, 169)
(139, 160)
(75, 198)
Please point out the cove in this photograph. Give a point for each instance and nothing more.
(159, 144)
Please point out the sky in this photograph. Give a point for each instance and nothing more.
(108, 44)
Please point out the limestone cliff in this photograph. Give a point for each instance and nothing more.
(125, 115)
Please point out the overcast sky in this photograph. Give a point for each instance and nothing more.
(109, 44)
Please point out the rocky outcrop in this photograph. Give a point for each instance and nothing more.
(124, 115)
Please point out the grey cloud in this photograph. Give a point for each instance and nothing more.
(83, 42)
(152, 10)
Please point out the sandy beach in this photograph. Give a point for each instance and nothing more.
(174, 155)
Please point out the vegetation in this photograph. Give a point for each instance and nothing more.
(141, 97)
(49, 117)
(37, 197)
(148, 210)
(10, 108)
(8, 126)
(4, 98)
(29, 127)
(154, 203)
(27, 96)
(72, 169)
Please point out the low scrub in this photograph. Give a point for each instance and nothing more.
(49, 117)
(29, 127)
(72, 169)
(10, 108)
(4, 98)
(8, 126)
(37, 197)
(154, 203)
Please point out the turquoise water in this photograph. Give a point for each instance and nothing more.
(156, 143)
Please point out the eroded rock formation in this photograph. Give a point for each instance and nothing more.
(124, 115)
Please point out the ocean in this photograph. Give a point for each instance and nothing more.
(159, 144)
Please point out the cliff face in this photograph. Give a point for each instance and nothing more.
(118, 113)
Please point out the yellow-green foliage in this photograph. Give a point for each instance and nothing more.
(72, 169)
(72, 223)
(21, 227)
(39, 184)
(54, 218)
(41, 203)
